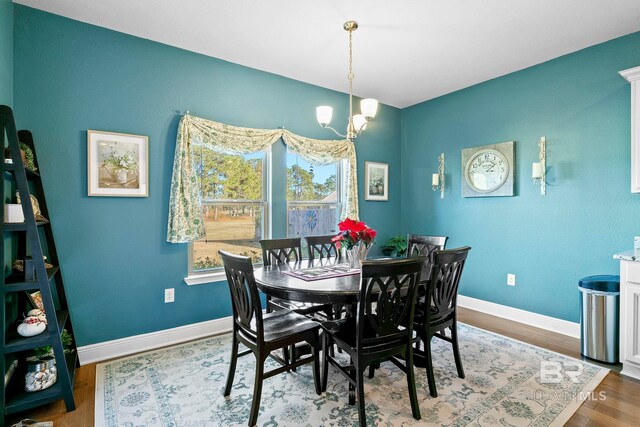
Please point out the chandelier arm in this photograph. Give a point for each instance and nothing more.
(359, 131)
(335, 131)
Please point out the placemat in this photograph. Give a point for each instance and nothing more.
(326, 272)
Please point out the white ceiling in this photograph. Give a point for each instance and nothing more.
(405, 51)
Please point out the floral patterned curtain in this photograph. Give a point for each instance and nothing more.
(186, 222)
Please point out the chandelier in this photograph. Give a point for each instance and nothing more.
(368, 107)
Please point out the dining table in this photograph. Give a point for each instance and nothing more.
(277, 281)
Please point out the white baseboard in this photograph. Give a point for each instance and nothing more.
(135, 344)
(631, 371)
(541, 321)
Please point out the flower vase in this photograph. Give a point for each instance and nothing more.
(357, 254)
(121, 176)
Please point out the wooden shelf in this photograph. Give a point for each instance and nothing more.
(22, 226)
(19, 400)
(31, 242)
(10, 167)
(15, 281)
(15, 342)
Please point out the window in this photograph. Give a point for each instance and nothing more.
(314, 196)
(234, 205)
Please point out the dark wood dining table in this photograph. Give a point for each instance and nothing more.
(336, 290)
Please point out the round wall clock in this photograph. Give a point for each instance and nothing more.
(488, 170)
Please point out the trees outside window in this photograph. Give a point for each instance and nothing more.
(233, 204)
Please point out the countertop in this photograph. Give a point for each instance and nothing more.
(628, 256)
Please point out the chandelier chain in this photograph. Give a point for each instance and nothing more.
(350, 75)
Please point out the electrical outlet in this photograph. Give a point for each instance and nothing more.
(511, 279)
(169, 295)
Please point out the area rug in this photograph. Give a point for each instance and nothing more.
(507, 382)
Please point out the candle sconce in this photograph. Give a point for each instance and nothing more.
(539, 169)
(437, 179)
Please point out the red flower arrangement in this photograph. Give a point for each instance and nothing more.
(352, 232)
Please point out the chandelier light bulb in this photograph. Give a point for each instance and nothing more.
(359, 123)
(369, 108)
(323, 114)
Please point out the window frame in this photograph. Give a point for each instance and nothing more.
(340, 195)
(217, 274)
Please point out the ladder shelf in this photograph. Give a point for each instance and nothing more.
(33, 239)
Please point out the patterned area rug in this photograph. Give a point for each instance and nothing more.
(507, 383)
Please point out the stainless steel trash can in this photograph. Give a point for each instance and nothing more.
(599, 317)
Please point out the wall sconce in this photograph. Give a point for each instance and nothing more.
(539, 169)
(437, 179)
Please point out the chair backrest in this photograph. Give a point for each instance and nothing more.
(278, 251)
(442, 286)
(320, 247)
(419, 245)
(245, 298)
(387, 302)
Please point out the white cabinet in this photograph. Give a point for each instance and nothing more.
(633, 76)
(630, 318)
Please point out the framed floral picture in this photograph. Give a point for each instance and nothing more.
(376, 179)
(35, 298)
(117, 164)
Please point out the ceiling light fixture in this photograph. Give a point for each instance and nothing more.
(368, 107)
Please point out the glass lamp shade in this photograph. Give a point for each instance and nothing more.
(359, 123)
(536, 171)
(323, 114)
(369, 108)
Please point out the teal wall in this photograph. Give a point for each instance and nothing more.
(70, 77)
(6, 52)
(581, 104)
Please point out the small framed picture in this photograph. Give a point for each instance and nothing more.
(117, 164)
(35, 298)
(376, 178)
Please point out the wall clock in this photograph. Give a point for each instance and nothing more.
(488, 170)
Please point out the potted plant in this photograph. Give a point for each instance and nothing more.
(396, 246)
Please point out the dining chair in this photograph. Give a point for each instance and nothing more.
(263, 334)
(438, 310)
(275, 251)
(381, 329)
(421, 245)
(321, 247)
(278, 251)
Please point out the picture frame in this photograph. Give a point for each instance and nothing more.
(117, 164)
(35, 298)
(376, 179)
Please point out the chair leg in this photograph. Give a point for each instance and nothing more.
(372, 369)
(456, 349)
(430, 375)
(316, 363)
(411, 383)
(293, 356)
(352, 388)
(232, 365)
(362, 415)
(257, 391)
(285, 354)
(325, 360)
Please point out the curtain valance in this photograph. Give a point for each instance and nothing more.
(186, 222)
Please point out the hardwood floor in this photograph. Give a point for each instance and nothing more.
(621, 407)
